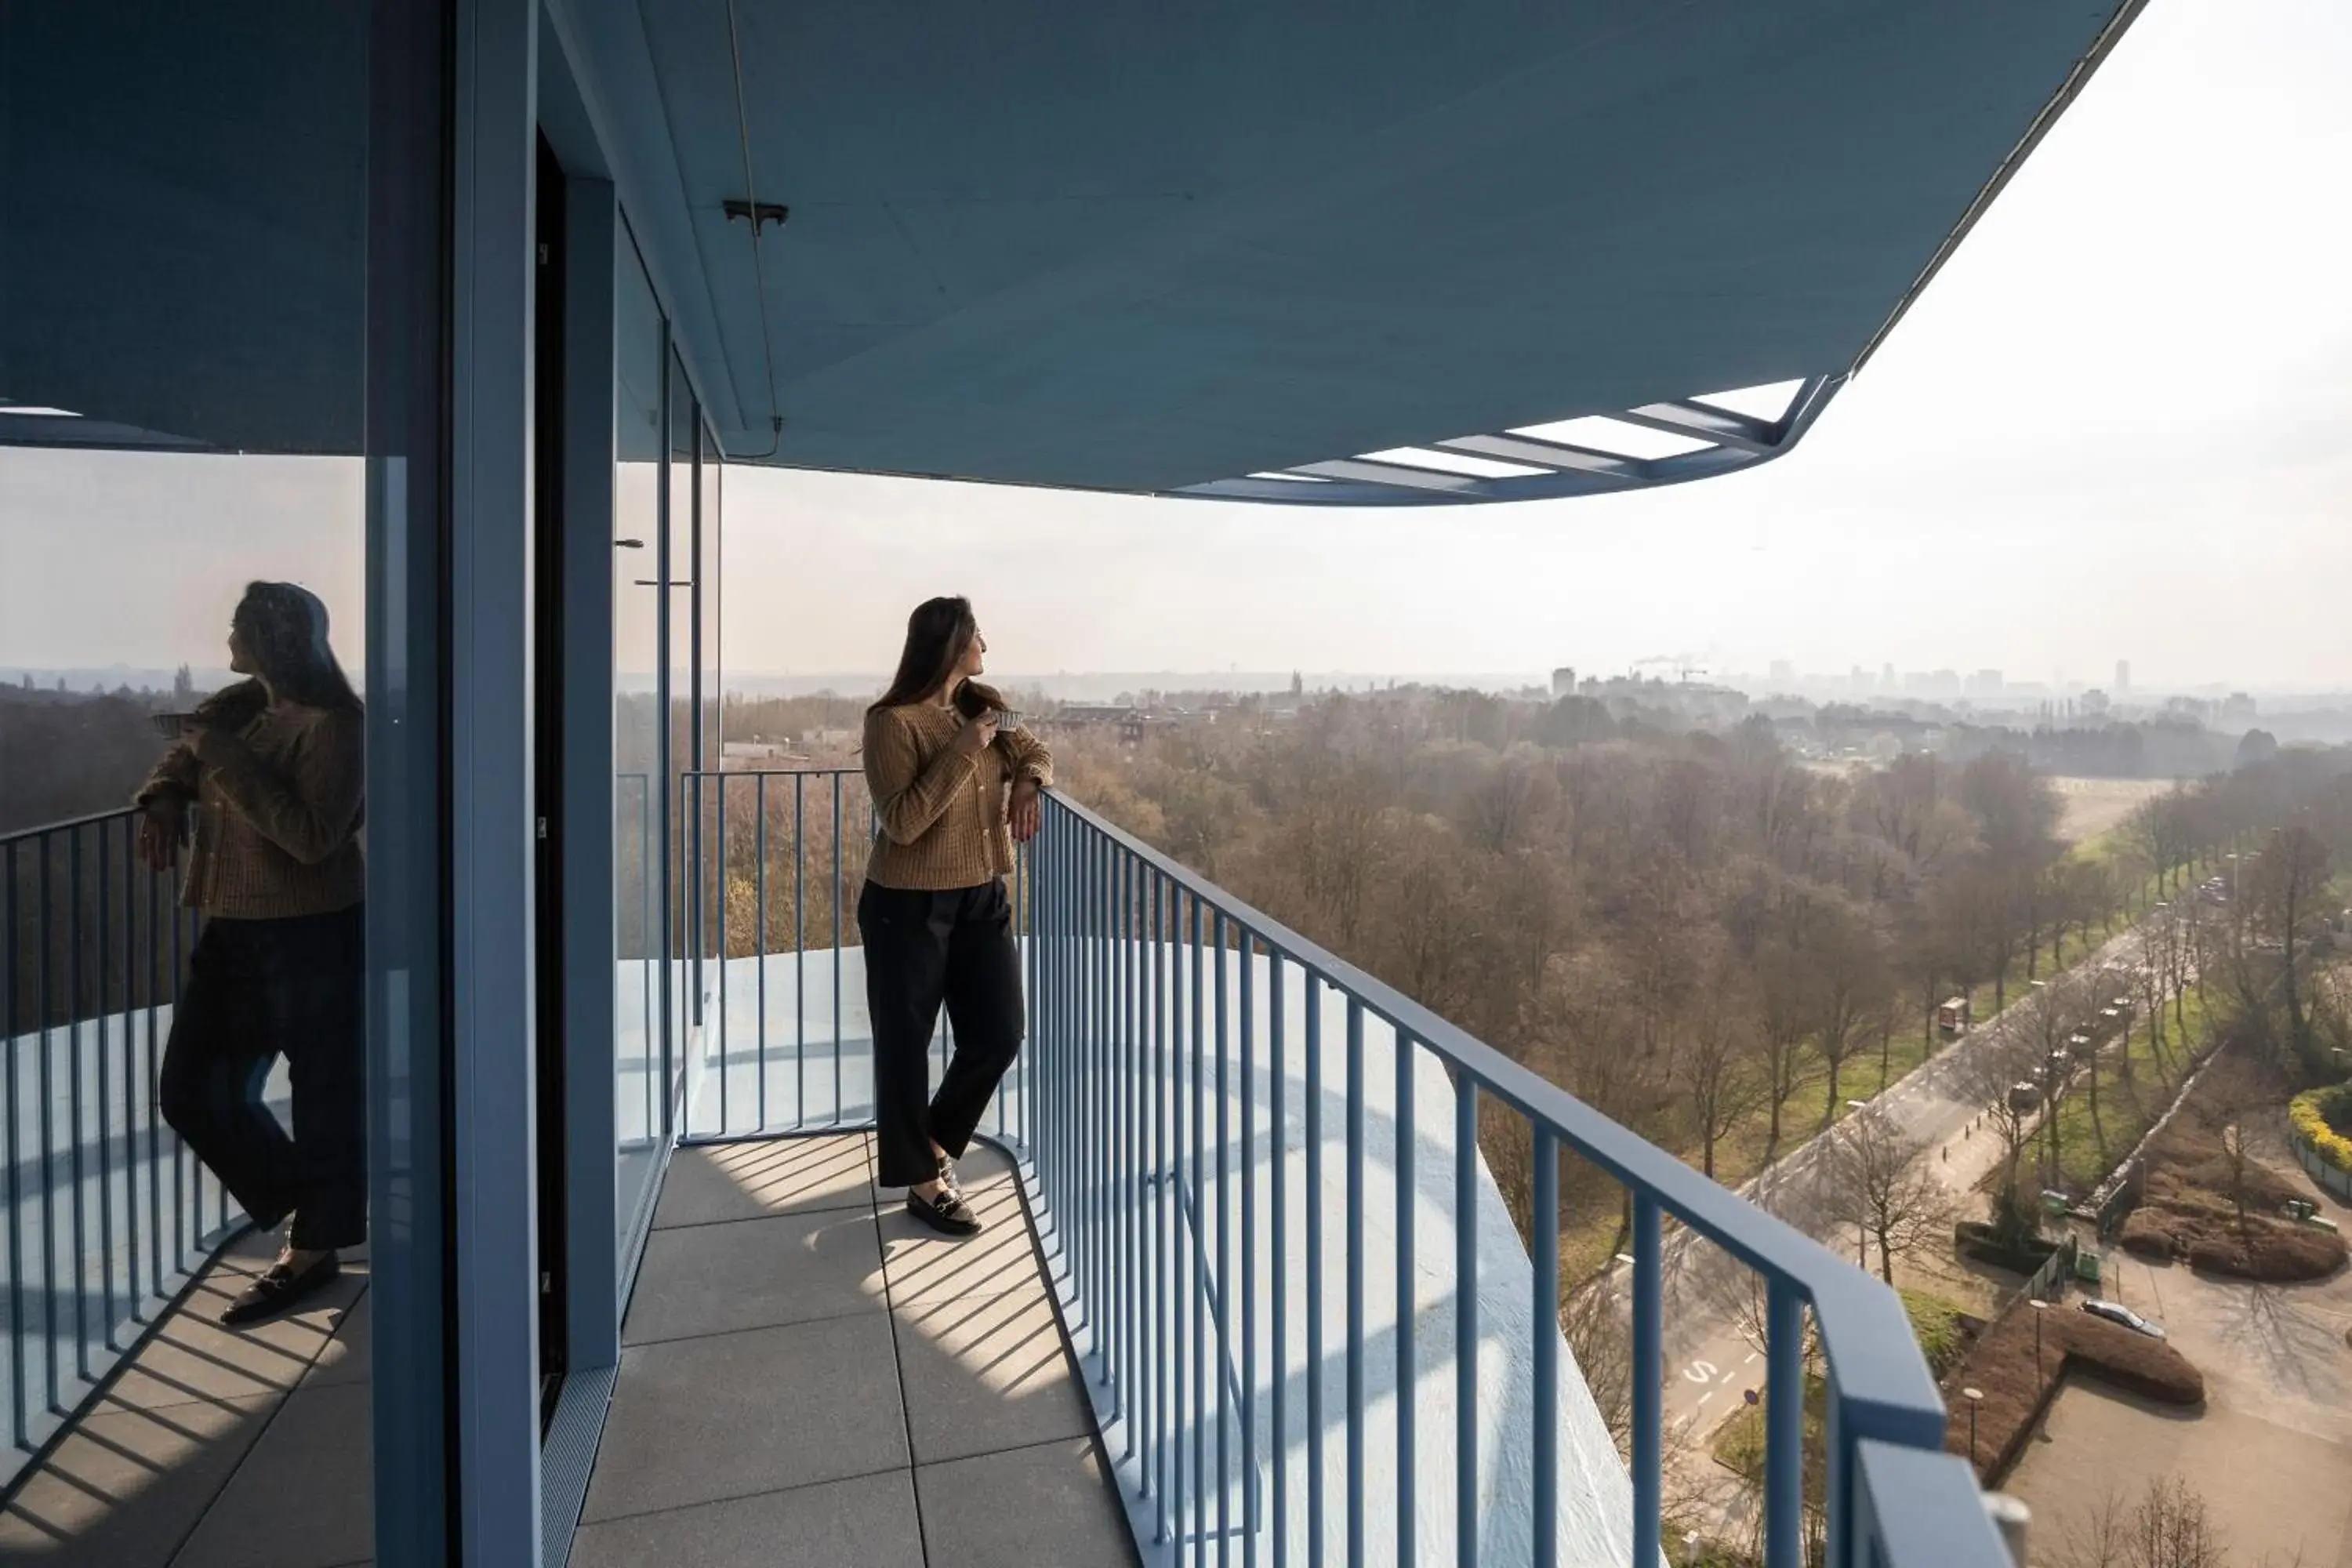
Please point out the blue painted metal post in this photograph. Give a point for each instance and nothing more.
(1649, 1361)
(1466, 1322)
(1224, 1257)
(1277, 1074)
(1249, 1250)
(838, 891)
(1357, 1415)
(1163, 1243)
(760, 945)
(1407, 1371)
(1784, 1426)
(1312, 989)
(800, 950)
(1195, 1192)
(1545, 1219)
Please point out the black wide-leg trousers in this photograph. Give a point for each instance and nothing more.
(923, 948)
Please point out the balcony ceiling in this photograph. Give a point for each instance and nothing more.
(1108, 244)
(1142, 245)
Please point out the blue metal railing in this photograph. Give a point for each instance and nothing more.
(1175, 1115)
(107, 1215)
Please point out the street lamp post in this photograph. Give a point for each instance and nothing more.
(1975, 1396)
(2040, 1308)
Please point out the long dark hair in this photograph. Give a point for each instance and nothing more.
(284, 629)
(939, 634)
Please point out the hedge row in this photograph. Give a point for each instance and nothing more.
(2316, 1115)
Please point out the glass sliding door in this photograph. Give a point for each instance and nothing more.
(639, 660)
(680, 733)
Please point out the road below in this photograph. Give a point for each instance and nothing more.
(1715, 1305)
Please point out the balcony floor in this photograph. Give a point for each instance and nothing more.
(809, 1378)
(216, 1448)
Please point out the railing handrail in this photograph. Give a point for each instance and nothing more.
(96, 818)
(1865, 1331)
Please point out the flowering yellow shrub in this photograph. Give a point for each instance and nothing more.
(2313, 1111)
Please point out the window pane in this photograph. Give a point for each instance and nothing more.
(182, 236)
(636, 761)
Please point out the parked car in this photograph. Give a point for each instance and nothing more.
(2116, 1312)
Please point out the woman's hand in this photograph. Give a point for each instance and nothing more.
(1027, 811)
(977, 735)
(161, 827)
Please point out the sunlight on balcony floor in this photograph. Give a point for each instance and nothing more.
(809, 1378)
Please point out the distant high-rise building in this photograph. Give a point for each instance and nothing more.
(1984, 686)
(1886, 677)
(1784, 673)
(1563, 681)
(2122, 677)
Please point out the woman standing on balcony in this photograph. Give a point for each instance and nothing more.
(273, 769)
(934, 916)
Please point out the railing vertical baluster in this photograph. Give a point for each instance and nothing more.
(179, 1148)
(1311, 986)
(1092, 1075)
(1224, 1279)
(45, 1279)
(1250, 1521)
(1126, 1289)
(74, 1100)
(1277, 1075)
(105, 1086)
(838, 891)
(718, 847)
(103, 1016)
(1407, 1377)
(132, 1294)
(800, 950)
(1784, 1426)
(1194, 1192)
(155, 1083)
(1465, 1320)
(760, 943)
(9, 992)
(1546, 1223)
(1649, 1397)
(1357, 1416)
(1164, 1234)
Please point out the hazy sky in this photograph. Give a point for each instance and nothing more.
(2118, 425)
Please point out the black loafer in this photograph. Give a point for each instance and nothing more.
(947, 1174)
(278, 1289)
(948, 1213)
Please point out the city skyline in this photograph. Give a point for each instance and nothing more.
(2112, 428)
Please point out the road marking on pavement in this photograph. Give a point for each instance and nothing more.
(1707, 1395)
(1751, 1359)
(1724, 1379)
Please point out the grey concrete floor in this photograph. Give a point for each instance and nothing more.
(807, 1378)
(810, 1378)
(216, 1449)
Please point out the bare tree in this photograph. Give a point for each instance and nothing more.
(1601, 1337)
(2288, 878)
(2166, 1527)
(1880, 1182)
(1718, 1044)
(1850, 985)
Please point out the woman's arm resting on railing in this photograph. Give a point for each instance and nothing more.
(311, 809)
(1027, 758)
(908, 796)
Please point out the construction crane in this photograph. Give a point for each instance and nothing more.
(1685, 665)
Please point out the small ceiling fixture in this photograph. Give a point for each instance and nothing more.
(760, 213)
